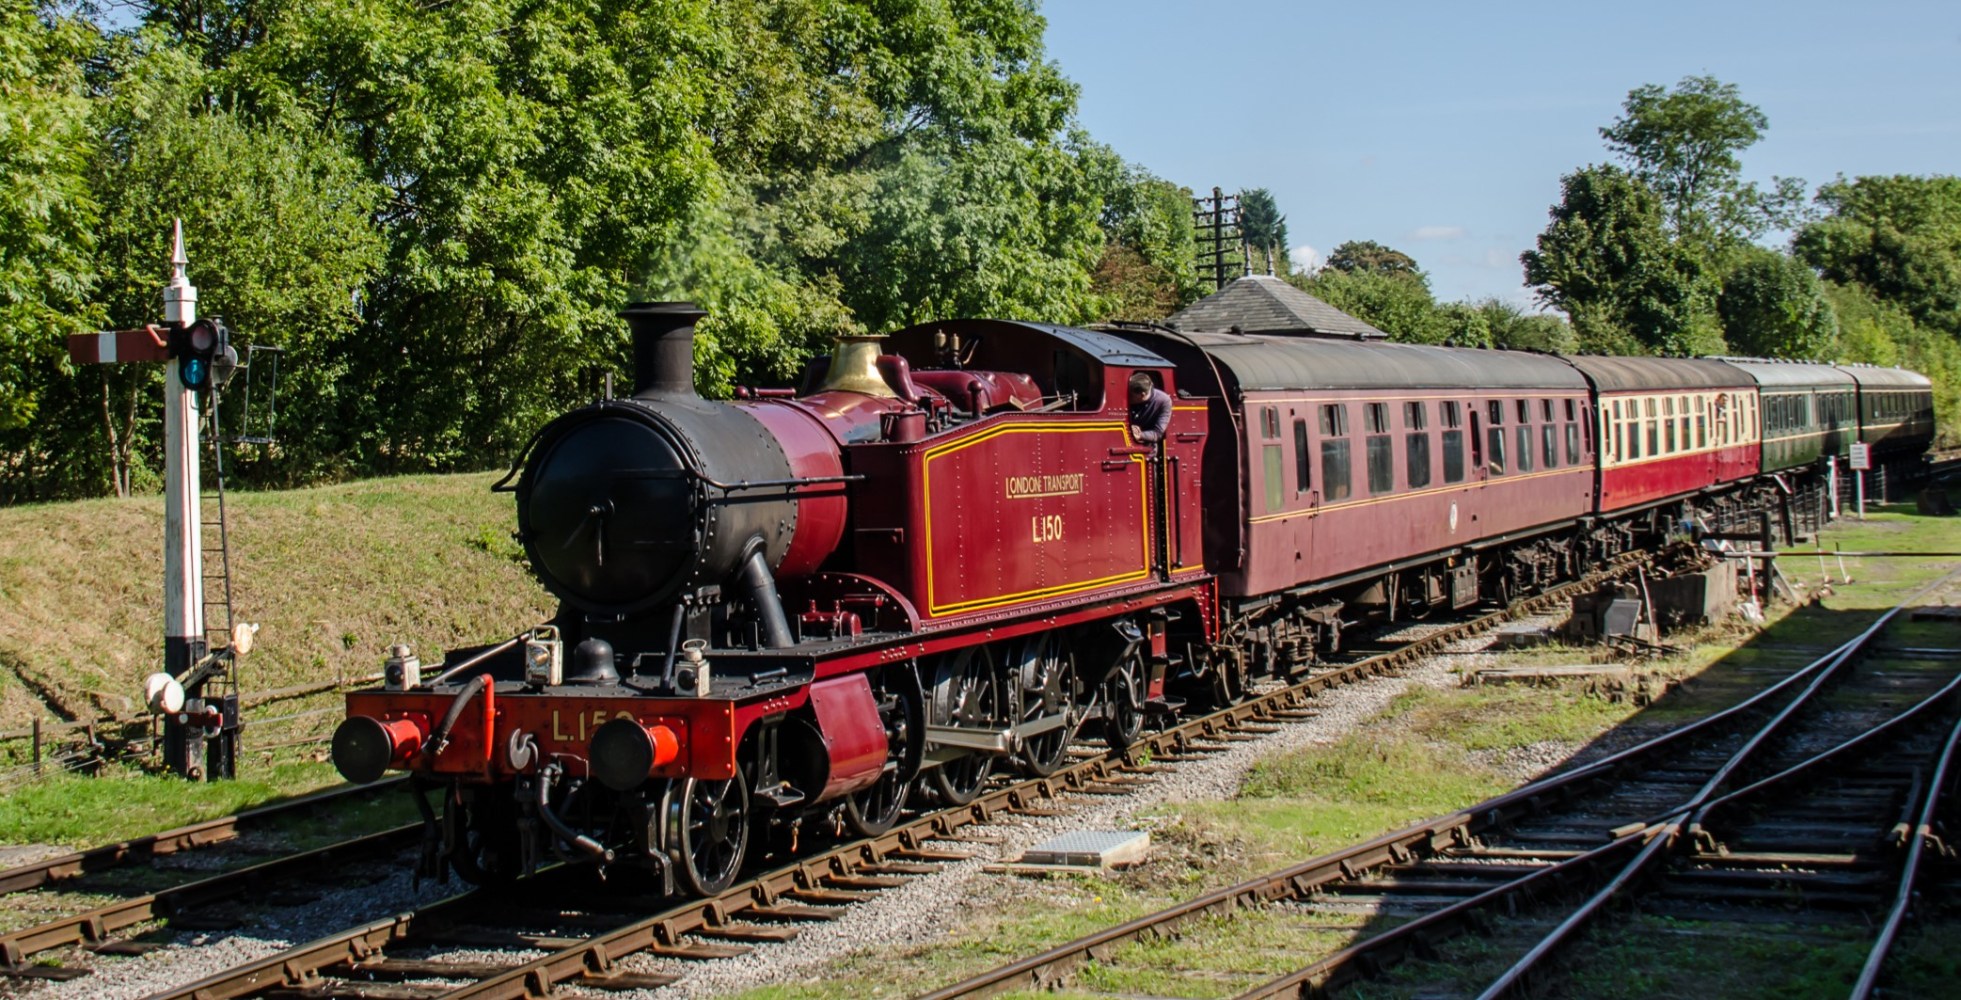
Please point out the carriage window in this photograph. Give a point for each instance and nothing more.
(1416, 458)
(1572, 443)
(1668, 438)
(1549, 446)
(1524, 410)
(1654, 435)
(1270, 422)
(1375, 418)
(1570, 412)
(1545, 409)
(1275, 481)
(1494, 457)
(1334, 420)
(1524, 457)
(1701, 431)
(1301, 464)
(1453, 445)
(1453, 416)
(1334, 468)
(1382, 469)
(1496, 411)
(1416, 443)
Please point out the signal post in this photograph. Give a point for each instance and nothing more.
(200, 735)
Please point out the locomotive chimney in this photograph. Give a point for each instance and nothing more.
(663, 346)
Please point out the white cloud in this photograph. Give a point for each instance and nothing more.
(1422, 233)
(1306, 259)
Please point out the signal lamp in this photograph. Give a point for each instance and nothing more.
(199, 348)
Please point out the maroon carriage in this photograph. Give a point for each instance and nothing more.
(1375, 478)
(1670, 428)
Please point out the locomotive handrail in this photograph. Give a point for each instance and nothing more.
(480, 657)
(744, 484)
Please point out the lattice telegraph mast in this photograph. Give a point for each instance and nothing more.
(1216, 221)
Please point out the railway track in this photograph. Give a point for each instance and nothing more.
(1674, 817)
(224, 829)
(186, 903)
(584, 949)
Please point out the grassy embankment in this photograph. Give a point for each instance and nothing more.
(1432, 752)
(332, 575)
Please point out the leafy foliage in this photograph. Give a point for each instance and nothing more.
(440, 207)
(1607, 261)
(1684, 144)
(1775, 307)
(47, 210)
(1898, 236)
(1370, 257)
(1264, 229)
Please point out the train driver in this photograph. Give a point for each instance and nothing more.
(1150, 409)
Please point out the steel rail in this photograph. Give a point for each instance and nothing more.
(94, 927)
(593, 959)
(1916, 847)
(1695, 809)
(183, 838)
(1452, 830)
(1342, 965)
(1456, 829)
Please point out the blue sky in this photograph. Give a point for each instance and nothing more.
(1442, 129)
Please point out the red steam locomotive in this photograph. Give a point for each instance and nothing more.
(947, 555)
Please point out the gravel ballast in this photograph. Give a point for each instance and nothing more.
(925, 910)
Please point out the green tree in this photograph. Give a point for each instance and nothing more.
(1148, 269)
(1607, 261)
(1775, 307)
(1397, 302)
(47, 212)
(1684, 144)
(278, 225)
(1371, 257)
(1879, 332)
(1514, 328)
(1264, 229)
(1899, 237)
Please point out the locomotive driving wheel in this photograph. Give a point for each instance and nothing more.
(872, 810)
(1044, 673)
(967, 694)
(1123, 702)
(711, 820)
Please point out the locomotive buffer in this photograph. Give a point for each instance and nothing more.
(196, 693)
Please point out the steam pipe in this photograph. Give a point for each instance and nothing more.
(439, 738)
(585, 844)
(761, 587)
